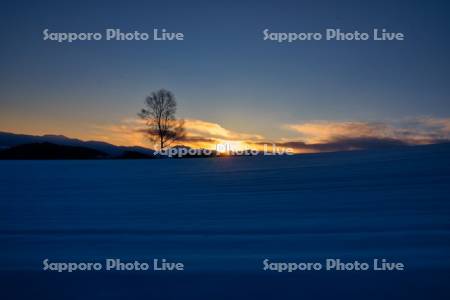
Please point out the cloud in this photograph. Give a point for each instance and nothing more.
(344, 144)
(317, 136)
(216, 131)
(124, 133)
(321, 136)
(323, 131)
(200, 134)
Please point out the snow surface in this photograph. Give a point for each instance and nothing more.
(223, 216)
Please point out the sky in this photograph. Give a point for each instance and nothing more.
(230, 84)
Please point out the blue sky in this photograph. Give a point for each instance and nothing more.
(223, 72)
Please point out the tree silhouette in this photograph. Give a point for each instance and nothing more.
(159, 116)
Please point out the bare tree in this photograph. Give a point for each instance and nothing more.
(159, 116)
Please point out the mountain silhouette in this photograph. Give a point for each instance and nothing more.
(51, 151)
(8, 140)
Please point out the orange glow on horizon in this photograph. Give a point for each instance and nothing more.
(310, 137)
